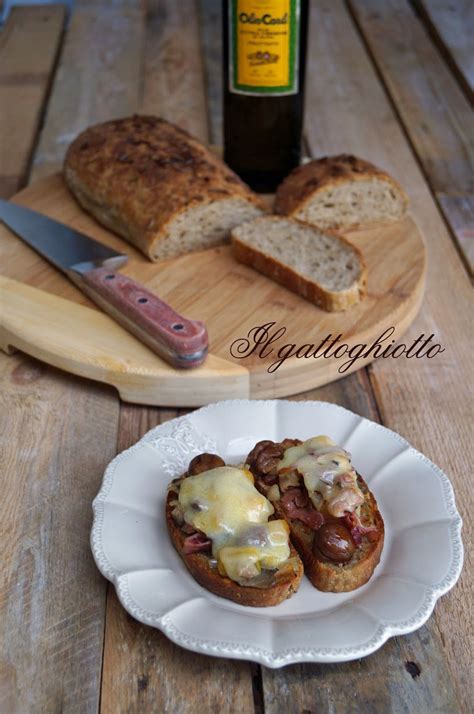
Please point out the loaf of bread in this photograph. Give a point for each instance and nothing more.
(157, 186)
(321, 266)
(341, 192)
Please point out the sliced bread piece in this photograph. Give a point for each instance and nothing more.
(270, 587)
(320, 266)
(336, 577)
(341, 192)
(199, 564)
(306, 522)
(157, 186)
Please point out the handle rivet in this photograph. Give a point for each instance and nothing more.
(142, 300)
(109, 277)
(178, 326)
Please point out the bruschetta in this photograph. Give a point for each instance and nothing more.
(224, 530)
(334, 521)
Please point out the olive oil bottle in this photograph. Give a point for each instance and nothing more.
(264, 71)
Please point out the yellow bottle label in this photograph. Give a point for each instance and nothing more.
(263, 46)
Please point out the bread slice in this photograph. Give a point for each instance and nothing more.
(287, 579)
(339, 577)
(319, 265)
(341, 192)
(156, 186)
(324, 574)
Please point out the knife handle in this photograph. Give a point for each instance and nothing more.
(179, 341)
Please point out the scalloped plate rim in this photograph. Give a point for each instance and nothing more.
(252, 652)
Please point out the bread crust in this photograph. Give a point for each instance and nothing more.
(331, 301)
(307, 180)
(137, 174)
(199, 567)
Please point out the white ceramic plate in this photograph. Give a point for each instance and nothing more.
(421, 560)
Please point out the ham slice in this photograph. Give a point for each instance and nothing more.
(269, 479)
(196, 543)
(295, 504)
(357, 528)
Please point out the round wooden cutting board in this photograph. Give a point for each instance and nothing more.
(46, 316)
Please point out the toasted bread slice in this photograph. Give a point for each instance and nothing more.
(286, 580)
(333, 577)
(325, 574)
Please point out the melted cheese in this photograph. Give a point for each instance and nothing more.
(327, 473)
(224, 504)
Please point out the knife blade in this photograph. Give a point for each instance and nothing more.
(92, 267)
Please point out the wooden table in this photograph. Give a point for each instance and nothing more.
(390, 81)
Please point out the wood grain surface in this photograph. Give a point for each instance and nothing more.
(59, 433)
(434, 110)
(430, 402)
(210, 26)
(409, 675)
(29, 44)
(39, 324)
(98, 78)
(60, 430)
(451, 23)
(53, 599)
(173, 80)
(394, 255)
(171, 680)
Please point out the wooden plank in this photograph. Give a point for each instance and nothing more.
(143, 670)
(434, 111)
(401, 678)
(210, 19)
(29, 45)
(98, 78)
(173, 79)
(426, 402)
(58, 434)
(451, 24)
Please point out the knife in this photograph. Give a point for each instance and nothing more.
(92, 267)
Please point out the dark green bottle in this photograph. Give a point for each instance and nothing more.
(264, 71)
